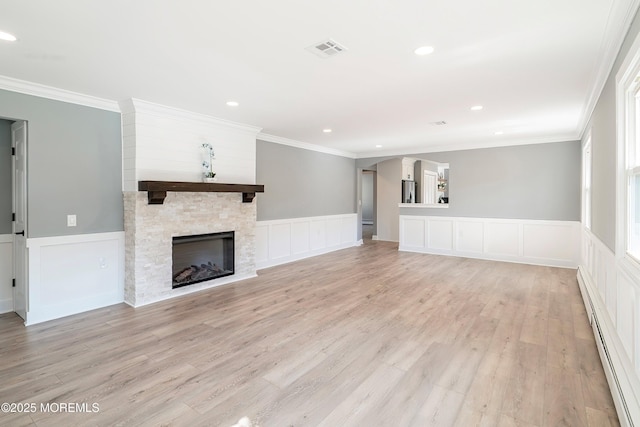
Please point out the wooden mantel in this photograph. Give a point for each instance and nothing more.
(157, 190)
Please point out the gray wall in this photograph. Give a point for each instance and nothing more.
(302, 183)
(540, 182)
(74, 165)
(389, 194)
(5, 177)
(603, 149)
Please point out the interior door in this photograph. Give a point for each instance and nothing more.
(430, 186)
(19, 169)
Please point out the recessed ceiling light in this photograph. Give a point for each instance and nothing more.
(7, 37)
(378, 146)
(476, 108)
(423, 50)
(326, 130)
(232, 103)
(499, 132)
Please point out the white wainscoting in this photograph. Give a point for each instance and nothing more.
(6, 273)
(73, 274)
(553, 243)
(612, 298)
(285, 240)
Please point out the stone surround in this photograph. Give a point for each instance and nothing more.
(149, 230)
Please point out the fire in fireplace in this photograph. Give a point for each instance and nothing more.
(202, 257)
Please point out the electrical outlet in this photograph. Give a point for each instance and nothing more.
(71, 221)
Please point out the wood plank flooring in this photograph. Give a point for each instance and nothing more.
(365, 336)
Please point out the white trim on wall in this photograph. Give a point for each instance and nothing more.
(49, 92)
(553, 243)
(286, 240)
(461, 146)
(304, 145)
(73, 274)
(620, 19)
(612, 300)
(164, 111)
(6, 273)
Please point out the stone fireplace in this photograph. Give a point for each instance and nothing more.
(150, 230)
(164, 144)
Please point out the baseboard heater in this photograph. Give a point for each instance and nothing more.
(602, 345)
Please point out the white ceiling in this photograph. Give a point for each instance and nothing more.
(535, 66)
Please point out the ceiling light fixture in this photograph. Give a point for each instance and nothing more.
(7, 37)
(378, 146)
(232, 103)
(499, 132)
(476, 108)
(423, 50)
(326, 130)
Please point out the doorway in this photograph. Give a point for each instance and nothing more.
(6, 223)
(368, 205)
(13, 217)
(19, 203)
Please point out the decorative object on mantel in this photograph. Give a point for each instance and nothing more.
(157, 190)
(208, 175)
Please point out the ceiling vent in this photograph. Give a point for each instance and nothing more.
(326, 48)
(439, 123)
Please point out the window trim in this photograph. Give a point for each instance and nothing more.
(627, 108)
(587, 181)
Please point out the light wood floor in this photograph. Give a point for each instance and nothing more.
(365, 336)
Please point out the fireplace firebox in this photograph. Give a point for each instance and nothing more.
(202, 257)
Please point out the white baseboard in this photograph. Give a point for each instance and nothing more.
(287, 240)
(552, 243)
(72, 274)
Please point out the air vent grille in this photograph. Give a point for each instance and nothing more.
(438, 123)
(326, 48)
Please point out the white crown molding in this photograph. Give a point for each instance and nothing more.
(618, 23)
(468, 146)
(49, 92)
(146, 107)
(305, 145)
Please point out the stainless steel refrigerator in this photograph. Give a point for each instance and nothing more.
(408, 191)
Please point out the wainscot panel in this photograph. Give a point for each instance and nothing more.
(6, 273)
(610, 294)
(286, 240)
(553, 243)
(73, 274)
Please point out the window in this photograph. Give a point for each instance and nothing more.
(628, 165)
(632, 171)
(586, 183)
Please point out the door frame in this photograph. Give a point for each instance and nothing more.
(20, 256)
(434, 175)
